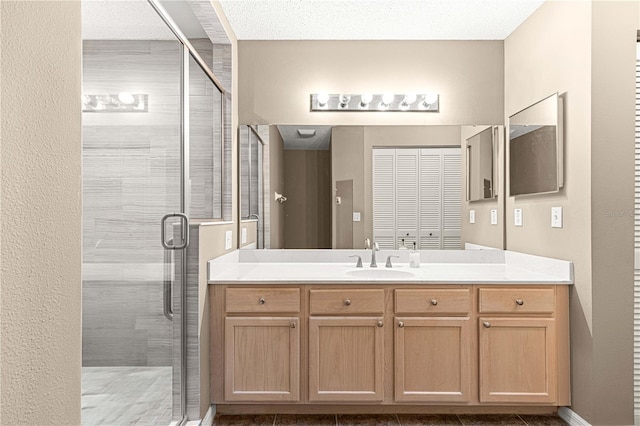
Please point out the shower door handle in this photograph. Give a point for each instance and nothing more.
(167, 291)
(184, 231)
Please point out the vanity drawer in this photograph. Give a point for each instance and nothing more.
(514, 300)
(345, 302)
(262, 300)
(433, 301)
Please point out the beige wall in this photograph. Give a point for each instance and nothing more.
(612, 223)
(41, 213)
(482, 232)
(277, 78)
(585, 51)
(347, 163)
(276, 183)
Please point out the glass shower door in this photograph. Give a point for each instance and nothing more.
(133, 174)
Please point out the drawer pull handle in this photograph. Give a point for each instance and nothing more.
(519, 302)
(380, 323)
(293, 325)
(486, 324)
(401, 324)
(262, 301)
(347, 302)
(434, 302)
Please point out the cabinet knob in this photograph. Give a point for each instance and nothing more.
(486, 324)
(519, 302)
(434, 302)
(293, 324)
(262, 301)
(401, 324)
(380, 323)
(347, 302)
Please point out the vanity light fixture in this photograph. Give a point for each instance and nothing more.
(122, 102)
(388, 102)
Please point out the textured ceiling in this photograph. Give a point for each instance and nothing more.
(376, 19)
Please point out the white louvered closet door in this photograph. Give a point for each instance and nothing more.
(384, 178)
(430, 198)
(417, 197)
(407, 197)
(452, 199)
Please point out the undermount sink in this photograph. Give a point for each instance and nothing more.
(380, 273)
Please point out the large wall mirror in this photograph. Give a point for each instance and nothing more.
(536, 148)
(310, 187)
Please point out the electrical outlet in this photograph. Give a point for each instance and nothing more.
(494, 217)
(556, 217)
(517, 217)
(228, 240)
(472, 216)
(356, 216)
(243, 237)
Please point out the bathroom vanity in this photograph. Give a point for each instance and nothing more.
(468, 331)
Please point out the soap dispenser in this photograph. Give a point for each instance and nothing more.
(402, 246)
(414, 257)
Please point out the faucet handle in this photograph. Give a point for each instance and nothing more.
(388, 264)
(359, 262)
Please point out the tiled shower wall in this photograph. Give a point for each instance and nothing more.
(131, 178)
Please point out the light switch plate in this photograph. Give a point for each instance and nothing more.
(494, 217)
(556, 217)
(356, 216)
(228, 240)
(517, 217)
(243, 238)
(472, 216)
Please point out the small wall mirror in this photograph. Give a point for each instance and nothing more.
(536, 148)
(481, 165)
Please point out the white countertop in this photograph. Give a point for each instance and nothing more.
(437, 267)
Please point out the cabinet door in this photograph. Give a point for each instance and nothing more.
(262, 359)
(346, 359)
(518, 360)
(432, 359)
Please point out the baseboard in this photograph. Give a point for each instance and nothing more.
(208, 418)
(207, 421)
(571, 417)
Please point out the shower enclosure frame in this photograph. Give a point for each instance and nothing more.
(188, 51)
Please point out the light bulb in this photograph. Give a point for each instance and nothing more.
(366, 98)
(344, 100)
(126, 98)
(323, 98)
(410, 98)
(387, 98)
(430, 98)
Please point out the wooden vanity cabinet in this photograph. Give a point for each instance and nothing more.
(396, 346)
(346, 353)
(432, 345)
(262, 353)
(519, 350)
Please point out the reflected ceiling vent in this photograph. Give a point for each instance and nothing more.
(306, 133)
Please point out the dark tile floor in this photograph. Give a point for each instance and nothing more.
(388, 420)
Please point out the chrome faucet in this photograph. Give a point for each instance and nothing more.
(374, 249)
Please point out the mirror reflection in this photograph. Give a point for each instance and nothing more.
(480, 165)
(535, 148)
(339, 186)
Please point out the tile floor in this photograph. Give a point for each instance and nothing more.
(125, 396)
(388, 420)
